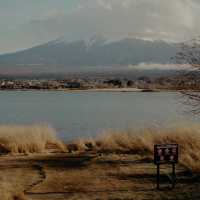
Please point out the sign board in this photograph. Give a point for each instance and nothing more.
(165, 154)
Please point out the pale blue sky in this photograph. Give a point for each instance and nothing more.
(25, 23)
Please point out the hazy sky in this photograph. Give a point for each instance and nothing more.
(25, 23)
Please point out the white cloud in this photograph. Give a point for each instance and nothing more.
(155, 66)
(105, 4)
(172, 20)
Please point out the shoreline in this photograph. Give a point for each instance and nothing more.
(99, 90)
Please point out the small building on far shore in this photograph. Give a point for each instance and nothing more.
(72, 85)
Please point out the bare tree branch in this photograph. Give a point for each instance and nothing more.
(190, 54)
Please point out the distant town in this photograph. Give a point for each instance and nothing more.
(144, 83)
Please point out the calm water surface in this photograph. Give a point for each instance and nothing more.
(76, 114)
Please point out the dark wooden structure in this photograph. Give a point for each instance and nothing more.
(166, 154)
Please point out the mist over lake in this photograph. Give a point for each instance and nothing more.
(84, 114)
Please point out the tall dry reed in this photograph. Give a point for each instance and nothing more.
(141, 142)
(27, 138)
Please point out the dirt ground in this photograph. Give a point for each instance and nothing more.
(93, 177)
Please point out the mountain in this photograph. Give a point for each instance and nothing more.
(95, 52)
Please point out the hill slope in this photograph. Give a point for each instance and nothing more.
(94, 53)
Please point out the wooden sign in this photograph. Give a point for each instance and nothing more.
(166, 154)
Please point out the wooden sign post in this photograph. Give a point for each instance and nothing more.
(166, 154)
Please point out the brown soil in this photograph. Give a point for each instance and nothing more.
(92, 177)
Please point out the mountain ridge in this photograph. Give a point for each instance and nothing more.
(94, 53)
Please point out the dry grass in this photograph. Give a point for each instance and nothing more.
(35, 139)
(141, 142)
(11, 190)
(27, 138)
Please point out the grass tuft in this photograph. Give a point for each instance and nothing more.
(141, 142)
(27, 138)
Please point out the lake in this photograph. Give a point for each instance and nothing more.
(86, 113)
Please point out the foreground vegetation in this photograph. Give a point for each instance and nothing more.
(39, 138)
(141, 142)
(28, 139)
(117, 164)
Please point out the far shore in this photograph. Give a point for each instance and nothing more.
(101, 90)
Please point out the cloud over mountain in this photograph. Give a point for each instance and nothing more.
(173, 20)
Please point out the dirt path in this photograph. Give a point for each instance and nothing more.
(41, 178)
(112, 177)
